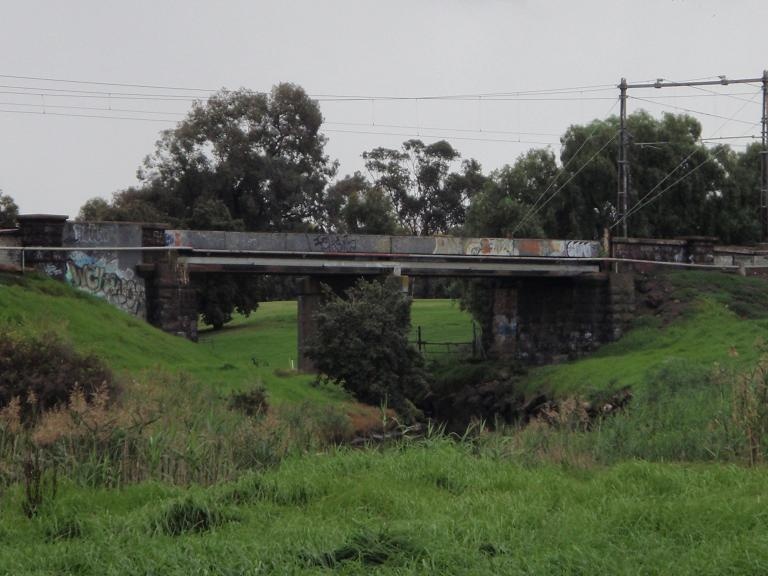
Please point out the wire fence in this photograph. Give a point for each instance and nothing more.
(470, 348)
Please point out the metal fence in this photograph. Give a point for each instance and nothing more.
(425, 347)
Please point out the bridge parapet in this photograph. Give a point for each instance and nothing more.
(683, 250)
(379, 244)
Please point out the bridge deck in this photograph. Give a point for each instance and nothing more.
(409, 266)
(373, 244)
(301, 253)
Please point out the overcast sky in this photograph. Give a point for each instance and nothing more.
(53, 162)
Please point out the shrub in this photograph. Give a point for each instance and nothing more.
(251, 403)
(44, 371)
(362, 344)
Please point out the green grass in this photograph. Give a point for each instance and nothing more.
(486, 506)
(261, 348)
(441, 321)
(711, 330)
(131, 346)
(432, 507)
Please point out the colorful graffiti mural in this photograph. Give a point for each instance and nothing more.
(102, 277)
(490, 247)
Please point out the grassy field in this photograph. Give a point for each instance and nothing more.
(429, 507)
(265, 343)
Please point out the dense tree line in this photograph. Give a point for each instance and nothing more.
(256, 162)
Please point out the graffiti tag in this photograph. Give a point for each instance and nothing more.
(104, 279)
(335, 243)
(491, 247)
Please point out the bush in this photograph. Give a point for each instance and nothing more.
(362, 344)
(42, 372)
(251, 403)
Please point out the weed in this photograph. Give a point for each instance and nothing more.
(251, 403)
(40, 482)
(64, 527)
(749, 413)
(370, 547)
(187, 515)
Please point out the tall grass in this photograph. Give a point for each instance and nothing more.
(422, 506)
(682, 412)
(164, 428)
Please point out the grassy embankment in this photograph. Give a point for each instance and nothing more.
(491, 504)
(709, 318)
(261, 348)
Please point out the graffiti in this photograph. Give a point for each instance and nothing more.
(52, 270)
(104, 279)
(490, 247)
(90, 234)
(581, 249)
(504, 329)
(335, 243)
(173, 238)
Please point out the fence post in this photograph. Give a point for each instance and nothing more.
(419, 340)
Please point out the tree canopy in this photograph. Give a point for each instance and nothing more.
(9, 211)
(241, 160)
(428, 198)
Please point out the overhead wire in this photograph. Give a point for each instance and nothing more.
(72, 115)
(331, 130)
(92, 108)
(564, 184)
(420, 134)
(533, 210)
(572, 89)
(692, 111)
(639, 206)
(650, 197)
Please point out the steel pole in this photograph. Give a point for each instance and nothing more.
(623, 167)
(764, 163)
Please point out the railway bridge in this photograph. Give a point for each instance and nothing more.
(551, 299)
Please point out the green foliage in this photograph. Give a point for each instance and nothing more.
(353, 206)
(427, 196)
(362, 344)
(186, 515)
(221, 295)
(43, 371)
(9, 210)
(241, 160)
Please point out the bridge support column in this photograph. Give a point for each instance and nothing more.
(309, 300)
(171, 300)
(504, 323)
